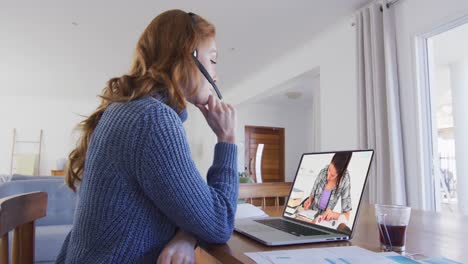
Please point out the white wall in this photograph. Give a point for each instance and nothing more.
(297, 130)
(67, 56)
(42, 53)
(55, 115)
(58, 116)
(333, 51)
(297, 122)
(50, 70)
(413, 18)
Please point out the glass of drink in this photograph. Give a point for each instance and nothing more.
(392, 221)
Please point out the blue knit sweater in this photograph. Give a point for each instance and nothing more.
(140, 185)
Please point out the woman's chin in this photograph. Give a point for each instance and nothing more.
(197, 101)
(203, 101)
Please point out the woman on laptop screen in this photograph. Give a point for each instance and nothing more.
(331, 185)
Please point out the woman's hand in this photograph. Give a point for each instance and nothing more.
(307, 203)
(180, 250)
(221, 117)
(330, 215)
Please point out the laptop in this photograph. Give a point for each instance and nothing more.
(323, 204)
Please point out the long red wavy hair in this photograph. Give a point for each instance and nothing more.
(162, 63)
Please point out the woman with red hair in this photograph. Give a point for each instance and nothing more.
(141, 197)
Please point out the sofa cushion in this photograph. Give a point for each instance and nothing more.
(19, 177)
(49, 241)
(61, 201)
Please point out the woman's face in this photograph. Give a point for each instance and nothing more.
(332, 175)
(207, 55)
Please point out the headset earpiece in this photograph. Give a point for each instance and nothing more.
(200, 66)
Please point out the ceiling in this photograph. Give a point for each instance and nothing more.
(297, 92)
(92, 41)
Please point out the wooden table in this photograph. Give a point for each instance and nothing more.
(57, 172)
(429, 234)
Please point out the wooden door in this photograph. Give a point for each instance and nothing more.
(272, 164)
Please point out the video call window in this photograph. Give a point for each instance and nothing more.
(328, 187)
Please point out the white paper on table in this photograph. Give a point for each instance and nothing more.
(247, 210)
(297, 194)
(331, 223)
(388, 254)
(341, 255)
(310, 214)
(439, 260)
(290, 210)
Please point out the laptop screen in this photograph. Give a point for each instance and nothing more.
(328, 188)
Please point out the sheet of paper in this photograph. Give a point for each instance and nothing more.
(310, 214)
(417, 258)
(290, 210)
(402, 260)
(294, 202)
(331, 255)
(297, 194)
(247, 210)
(440, 260)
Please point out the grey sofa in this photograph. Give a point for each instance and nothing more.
(20, 177)
(52, 229)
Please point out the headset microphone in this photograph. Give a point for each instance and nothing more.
(200, 66)
(206, 74)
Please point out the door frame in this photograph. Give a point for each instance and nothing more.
(282, 154)
(428, 131)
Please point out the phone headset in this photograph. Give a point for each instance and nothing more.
(200, 66)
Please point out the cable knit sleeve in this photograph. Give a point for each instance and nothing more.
(168, 176)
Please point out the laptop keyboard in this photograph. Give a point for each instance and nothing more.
(291, 228)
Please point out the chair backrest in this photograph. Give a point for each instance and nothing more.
(61, 200)
(264, 190)
(19, 213)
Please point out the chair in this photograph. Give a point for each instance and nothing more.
(264, 190)
(61, 202)
(19, 213)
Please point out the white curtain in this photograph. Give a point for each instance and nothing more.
(379, 121)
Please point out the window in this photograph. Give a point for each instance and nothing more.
(446, 69)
